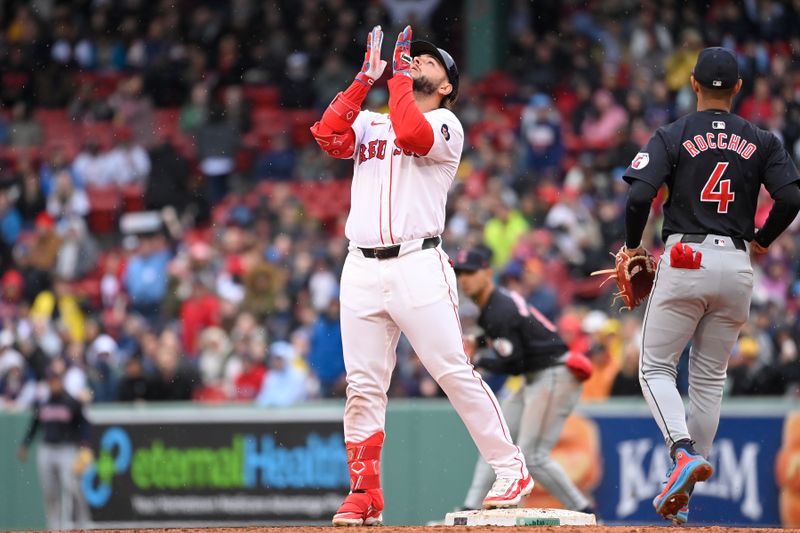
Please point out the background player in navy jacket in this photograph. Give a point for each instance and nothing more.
(527, 344)
(61, 454)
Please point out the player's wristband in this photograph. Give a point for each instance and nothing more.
(366, 80)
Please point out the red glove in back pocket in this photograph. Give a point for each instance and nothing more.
(580, 365)
(682, 256)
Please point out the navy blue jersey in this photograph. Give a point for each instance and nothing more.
(713, 163)
(62, 421)
(523, 338)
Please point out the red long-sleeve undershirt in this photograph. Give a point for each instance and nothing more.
(412, 129)
(332, 120)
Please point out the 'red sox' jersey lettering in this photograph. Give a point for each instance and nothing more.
(377, 148)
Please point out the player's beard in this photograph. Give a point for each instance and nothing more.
(423, 85)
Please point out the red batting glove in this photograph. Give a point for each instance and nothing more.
(373, 66)
(401, 62)
(682, 256)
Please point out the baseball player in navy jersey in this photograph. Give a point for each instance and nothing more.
(396, 277)
(713, 163)
(65, 444)
(525, 343)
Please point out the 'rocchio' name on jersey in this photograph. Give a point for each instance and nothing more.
(719, 140)
(713, 163)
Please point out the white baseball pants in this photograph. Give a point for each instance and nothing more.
(414, 293)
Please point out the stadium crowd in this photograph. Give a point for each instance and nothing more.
(170, 231)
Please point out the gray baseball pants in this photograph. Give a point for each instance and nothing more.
(64, 505)
(535, 414)
(708, 306)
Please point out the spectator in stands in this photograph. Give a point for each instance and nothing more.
(133, 109)
(201, 310)
(329, 78)
(31, 200)
(325, 355)
(77, 255)
(503, 230)
(746, 375)
(62, 304)
(23, 129)
(11, 291)
(217, 143)
(90, 167)
(9, 356)
(194, 112)
(604, 120)
(296, 85)
(87, 106)
(650, 41)
(76, 376)
(44, 249)
(128, 163)
(541, 129)
(133, 385)
(169, 178)
(536, 289)
(577, 234)
(215, 347)
(237, 108)
(247, 384)
(12, 385)
(66, 200)
(10, 221)
(102, 363)
(145, 278)
(263, 282)
(682, 60)
(626, 382)
(278, 161)
(284, 384)
(757, 108)
(173, 380)
(5, 134)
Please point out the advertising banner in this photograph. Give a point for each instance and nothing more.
(743, 489)
(225, 472)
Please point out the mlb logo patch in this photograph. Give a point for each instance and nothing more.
(445, 132)
(718, 125)
(716, 83)
(720, 242)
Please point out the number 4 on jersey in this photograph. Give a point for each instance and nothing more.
(724, 195)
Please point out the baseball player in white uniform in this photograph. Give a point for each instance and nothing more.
(396, 276)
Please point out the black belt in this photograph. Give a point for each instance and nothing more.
(701, 237)
(388, 252)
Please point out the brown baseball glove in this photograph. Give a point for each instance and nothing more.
(634, 273)
(83, 459)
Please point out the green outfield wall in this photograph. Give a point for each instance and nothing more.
(427, 464)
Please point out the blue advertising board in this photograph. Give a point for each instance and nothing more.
(742, 491)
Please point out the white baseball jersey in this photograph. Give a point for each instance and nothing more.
(398, 196)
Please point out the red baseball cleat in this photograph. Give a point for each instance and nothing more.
(359, 509)
(507, 492)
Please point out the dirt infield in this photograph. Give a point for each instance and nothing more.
(462, 529)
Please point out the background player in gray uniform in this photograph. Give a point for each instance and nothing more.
(526, 343)
(713, 163)
(65, 437)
